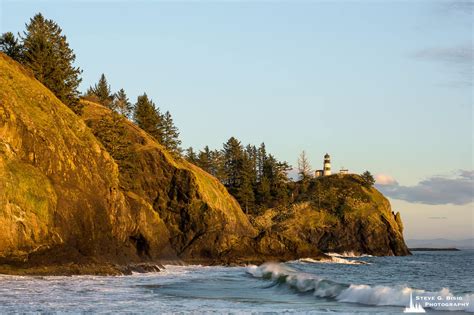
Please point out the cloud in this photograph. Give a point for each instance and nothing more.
(459, 55)
(383, 179)
(459, 59)
(465, 6)
(436, 190)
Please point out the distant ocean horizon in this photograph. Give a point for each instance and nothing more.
(467, 243)
(346, 284)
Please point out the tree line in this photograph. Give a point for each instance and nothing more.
(44, 50)
(253, 176)
(256, 178)
(144, 113)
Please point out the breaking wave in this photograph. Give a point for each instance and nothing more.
(333, 260)
(350, 254)
(351, 293)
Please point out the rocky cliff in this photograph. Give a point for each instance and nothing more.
(337, 214)
(60, 200)
(68, 206)
(205, 223)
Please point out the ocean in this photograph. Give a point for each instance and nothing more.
(346, 285)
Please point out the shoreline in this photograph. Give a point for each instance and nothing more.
(114, 269)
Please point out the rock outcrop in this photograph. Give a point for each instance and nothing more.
(67, 206)
(60, 199)
(63, 200)
(206, 224)
(366, 224)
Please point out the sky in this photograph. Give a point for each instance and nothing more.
(384, 86)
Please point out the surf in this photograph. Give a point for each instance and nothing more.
(377, 295)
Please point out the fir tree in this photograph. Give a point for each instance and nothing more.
(204, 160)
(170, 135)
(148, 117)
(217, 165)
(103, 92)
(252, 154)
(264, 191)
(368, 179)
(280, 182)
(110, 130)
(233, 159)
(191, 156)
(121, 104)
(46, 52)
(245, 192)
(10, 46)
(261, 158)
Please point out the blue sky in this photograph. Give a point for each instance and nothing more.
(383, 86)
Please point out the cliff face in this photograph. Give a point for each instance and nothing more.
(59, 190)
(63, 199)
(66, 201)
(350, 218)
(204, 221)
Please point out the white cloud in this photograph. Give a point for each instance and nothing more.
(384, 179)
(436, 190)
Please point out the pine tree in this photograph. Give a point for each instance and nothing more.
(245, 192)
(170, 135)
(261, 158)
(204, 160)
(121, 104)
(148, 117)
(368, 179)
(217, 165)
(191, 156)
(46, 52)
(103, 92)
(280, 182)
(264, 191)
(252, 154)
(233, 159)
(111, 131)
(10, 46)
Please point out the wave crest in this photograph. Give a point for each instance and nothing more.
(350, 254)
(333, 260)
(351, 293)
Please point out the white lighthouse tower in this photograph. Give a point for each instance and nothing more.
(327, 165)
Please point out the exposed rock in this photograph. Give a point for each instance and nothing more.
(68, 207)
(366, 225)
(60, 199)
(205, 223)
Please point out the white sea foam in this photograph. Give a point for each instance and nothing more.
(350, 254)
(352, 293)
(333, 260)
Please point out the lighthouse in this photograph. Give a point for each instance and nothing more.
(326, 171)
(327, 165)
